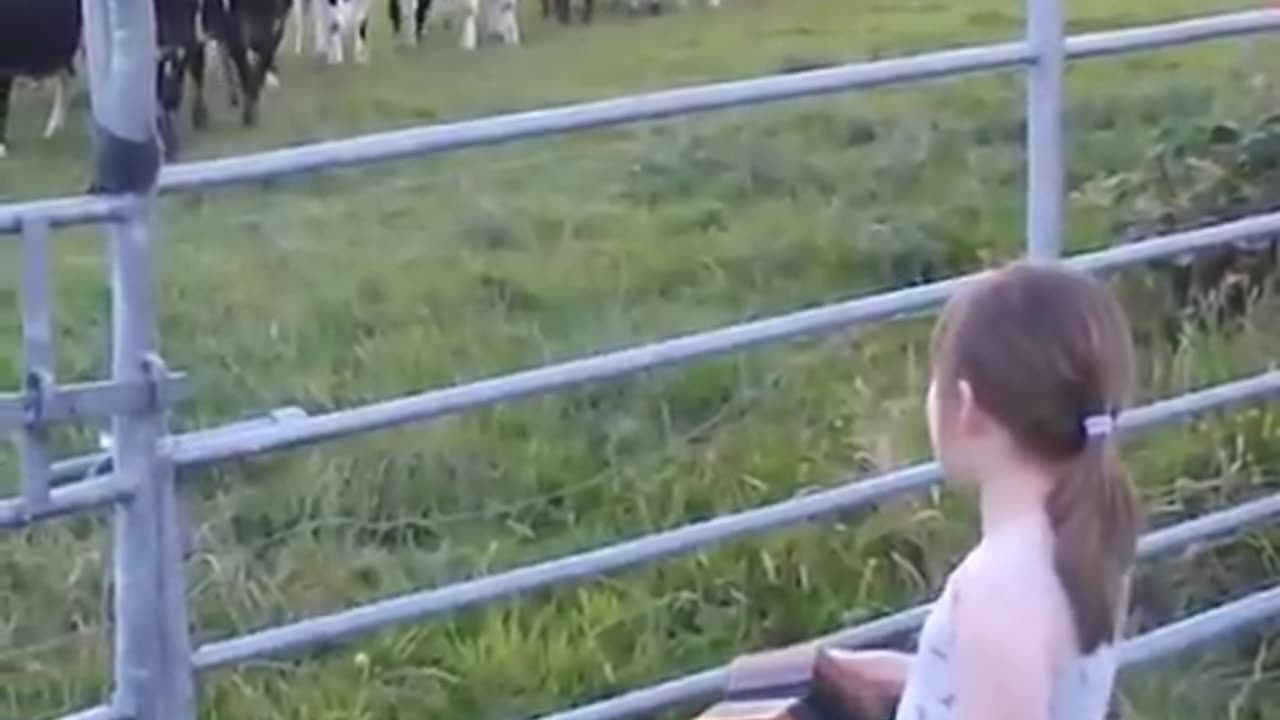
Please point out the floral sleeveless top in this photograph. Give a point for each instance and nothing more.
(1082, 691)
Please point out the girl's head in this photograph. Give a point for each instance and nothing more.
(1030, 366)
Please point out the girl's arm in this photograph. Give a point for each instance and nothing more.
(1004, 645)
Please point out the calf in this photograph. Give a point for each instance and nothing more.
(245, 33)
(499, 18)
(38, 39)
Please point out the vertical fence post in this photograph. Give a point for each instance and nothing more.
(1046, 184)
(38, 357)
(153, 669)
(153, 646)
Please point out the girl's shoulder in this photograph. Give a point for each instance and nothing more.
(1011, 582)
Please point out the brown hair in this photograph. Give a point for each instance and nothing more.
(1043, 348)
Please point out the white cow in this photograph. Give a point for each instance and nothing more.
(498, 17)
(335, 24)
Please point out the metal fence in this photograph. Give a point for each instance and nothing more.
(155, 665)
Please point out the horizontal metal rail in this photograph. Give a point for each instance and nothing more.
(66, 500)
(1228, 619)
(627, 110)
(1199, 630)
(1086, 46)
(708, 683)
(417, 606)
(238, 441)
(805, 323)
(64, 211)
(84, 467)
(99, 712)
(93, 484)
(384, 146)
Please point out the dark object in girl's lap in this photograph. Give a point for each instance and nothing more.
(799, 683)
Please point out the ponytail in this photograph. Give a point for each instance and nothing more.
(1095, 519)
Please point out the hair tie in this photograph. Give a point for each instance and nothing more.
(1101, 425)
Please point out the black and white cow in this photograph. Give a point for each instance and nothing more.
(38, 40)
(499, 18)
(245, 34)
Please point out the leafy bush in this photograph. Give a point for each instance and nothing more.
(1195, 176)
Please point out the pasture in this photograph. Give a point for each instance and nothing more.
(370, 283)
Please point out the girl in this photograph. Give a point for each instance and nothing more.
(1030, 366)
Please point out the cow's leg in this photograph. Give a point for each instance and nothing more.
(361, 49)
(395, 14)
(327, 30)
(471, 8)
(272, 54)
(58, 114)
(195, 67)
(297, 21)
(6, 89)
(588, 9)
(335, 29)
(171, 75)
(508, 25)
(421, 11)
(267, 62)
(236, 53)
(360, 14)
(563, 11)
(230, 74)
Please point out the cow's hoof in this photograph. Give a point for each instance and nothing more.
(3, 151)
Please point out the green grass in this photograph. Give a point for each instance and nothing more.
(371, 283)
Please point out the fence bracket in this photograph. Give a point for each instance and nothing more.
(42, 404)
(33, 445)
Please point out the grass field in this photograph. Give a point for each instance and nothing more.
(371, 283)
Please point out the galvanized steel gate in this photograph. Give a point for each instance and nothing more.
(155, 665)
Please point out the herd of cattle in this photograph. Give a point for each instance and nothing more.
(41, 40)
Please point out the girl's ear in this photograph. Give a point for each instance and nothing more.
(970, 419)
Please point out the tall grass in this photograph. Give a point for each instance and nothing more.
(366, 284)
